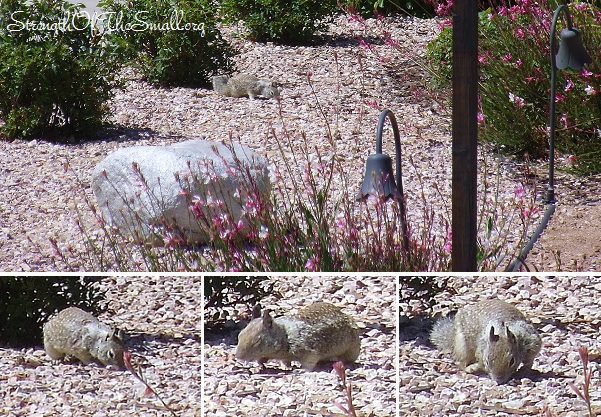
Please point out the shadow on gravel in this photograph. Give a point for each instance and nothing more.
(140, 342)
(415, 328)
(116, 133)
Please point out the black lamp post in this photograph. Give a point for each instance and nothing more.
(379, 179)
(573, 55)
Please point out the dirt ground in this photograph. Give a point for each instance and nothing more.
(572, 240)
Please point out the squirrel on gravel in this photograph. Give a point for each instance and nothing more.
(491, 336)
(75, 332)
(318, 332)
(244, 85)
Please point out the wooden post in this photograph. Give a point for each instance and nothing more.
(465, 135)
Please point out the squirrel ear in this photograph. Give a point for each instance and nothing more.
(267, 320)
(492, 335)
(510, 336)
(118, 334)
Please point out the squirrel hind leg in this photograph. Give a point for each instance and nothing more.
(309, 362)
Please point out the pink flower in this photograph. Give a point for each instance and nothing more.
(559, 97)
(517, 100)
(364, 44)
(311, 265)
(444, 8)
(529, 211)
(445, 23)
(519, 33)
(372, 104)
(389, 40)
(569, 85)
(519, 192)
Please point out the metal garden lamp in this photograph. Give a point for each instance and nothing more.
(379, 179)
(573, 55)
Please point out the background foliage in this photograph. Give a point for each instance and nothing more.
(179, 55)
(290, 22)
(52, 83)
(514, 85)
(27, 302)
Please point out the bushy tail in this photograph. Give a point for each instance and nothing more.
(442, 334)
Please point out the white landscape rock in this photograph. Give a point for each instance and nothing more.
(174, 176)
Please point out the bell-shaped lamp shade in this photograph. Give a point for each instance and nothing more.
(379, 177)
(571, 50)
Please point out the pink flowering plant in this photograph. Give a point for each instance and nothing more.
(309, 220)
(514, 58)
(506, 217)
(300, 226)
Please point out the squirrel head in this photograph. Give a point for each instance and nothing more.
(501, 356)
(261, 339)
(109, 348)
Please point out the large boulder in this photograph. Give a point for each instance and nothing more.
(163, 194)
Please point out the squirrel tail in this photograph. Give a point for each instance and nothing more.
(443, 335)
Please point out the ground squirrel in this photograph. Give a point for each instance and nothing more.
(319, 332)
(490, 336)
(77, 333)
(243, 85)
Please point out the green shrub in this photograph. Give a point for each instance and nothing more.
(171, 42)
(27, 302)
(514, 81)
(53, 83)
(418, 8)
(422, 288)
(291, 22)
(440, 55)
(220, 292)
